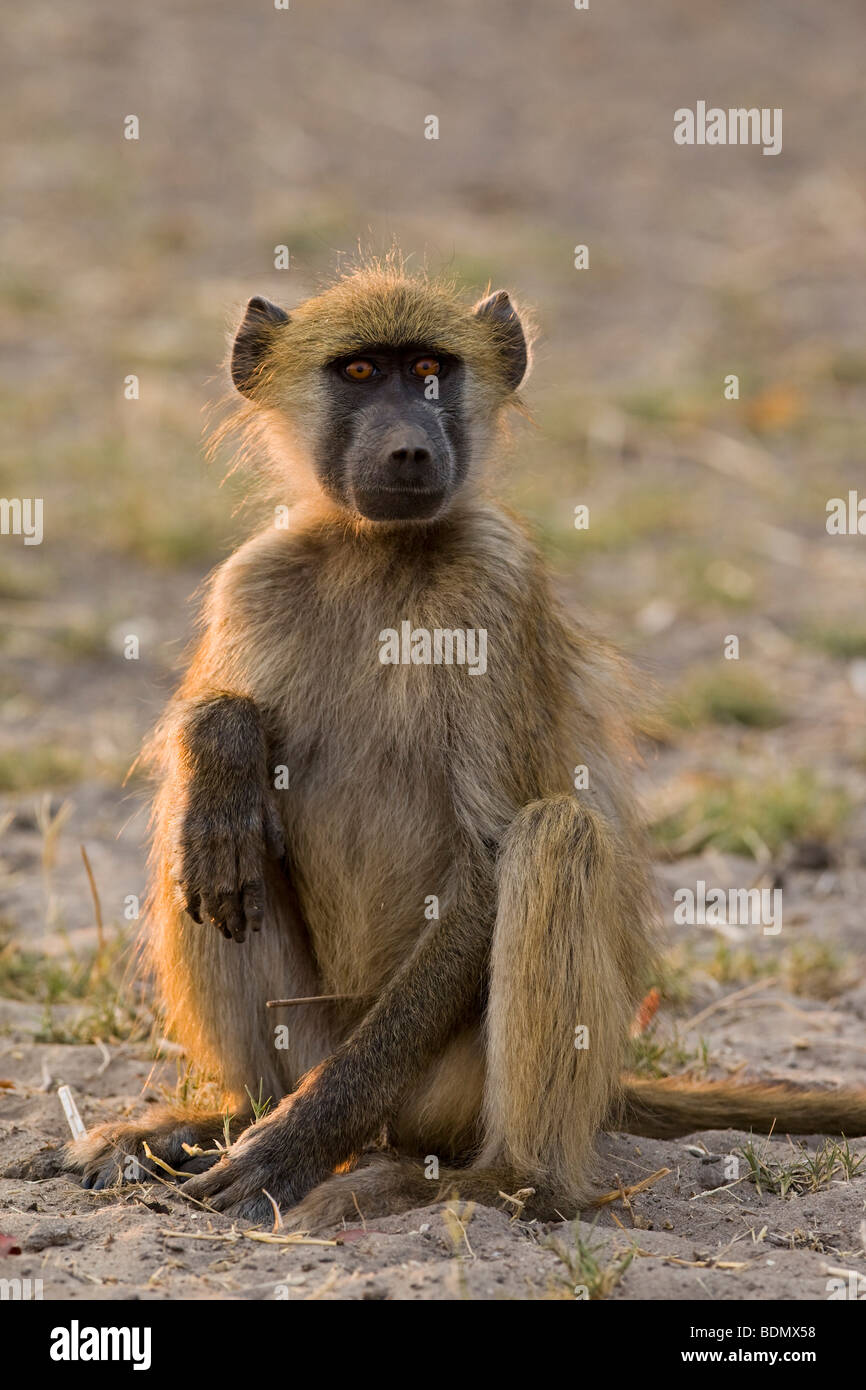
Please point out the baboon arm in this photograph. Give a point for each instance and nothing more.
(216, 814)
(415, 1015)
(218, 738)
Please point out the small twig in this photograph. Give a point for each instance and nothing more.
(625, 1200)
(312, 999)
(290, 1237)
(622, 1192)
(104, 1054)
(725, 1187)
(467, 1211)
(97, 906)
(70, 1110)
(729, 999)
(705, 1264)
(361, 1215)
(278, 1220)
(196, 1150)
(161, 1163)
(518, 1200)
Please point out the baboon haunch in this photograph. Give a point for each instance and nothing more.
(425, 856)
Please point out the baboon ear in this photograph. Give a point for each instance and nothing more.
(252, 340)
(499, 312)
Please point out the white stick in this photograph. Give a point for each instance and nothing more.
(70, 1110)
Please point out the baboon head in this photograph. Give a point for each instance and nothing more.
(388, 384)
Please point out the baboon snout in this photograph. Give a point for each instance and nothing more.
(404, 474)
(407, 459)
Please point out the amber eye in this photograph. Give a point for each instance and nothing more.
(360, 370)
(426, 366)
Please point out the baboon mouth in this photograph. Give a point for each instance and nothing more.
(418, 490)
(403, 503)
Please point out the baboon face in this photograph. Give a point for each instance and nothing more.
(390, 387)
(394, 447)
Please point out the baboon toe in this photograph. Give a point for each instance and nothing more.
(346, 1197)
(198, 1164)
(109, 1157)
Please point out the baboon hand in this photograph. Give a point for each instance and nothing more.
(277, 1156)
(220, 866)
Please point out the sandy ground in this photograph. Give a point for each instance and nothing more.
(694, 1233)
(686, 1239)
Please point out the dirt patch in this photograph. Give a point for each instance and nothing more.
(692, 1234)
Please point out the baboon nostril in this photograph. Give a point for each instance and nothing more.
(410, 456)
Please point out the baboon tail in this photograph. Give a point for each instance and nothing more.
(673, 1105)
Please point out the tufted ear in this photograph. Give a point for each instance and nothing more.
(507, 330)
(252, 341)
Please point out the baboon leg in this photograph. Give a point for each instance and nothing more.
(438, 1123)
(560, 960)
(441, 1117)
(386, 1185)
(563, 981)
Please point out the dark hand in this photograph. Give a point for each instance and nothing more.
(222, 853)
(278, 1155)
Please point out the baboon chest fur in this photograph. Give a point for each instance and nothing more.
(388, 775)
(371, 753)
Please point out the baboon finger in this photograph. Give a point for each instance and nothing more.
(254, 904)
(199, 1164)
(212, 911)
(233, 917)
(193, 905)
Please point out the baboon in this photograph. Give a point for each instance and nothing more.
(401, 842)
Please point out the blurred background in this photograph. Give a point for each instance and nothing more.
(304, 128)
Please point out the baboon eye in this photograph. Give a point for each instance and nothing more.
(426, 366)
(359, 370)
